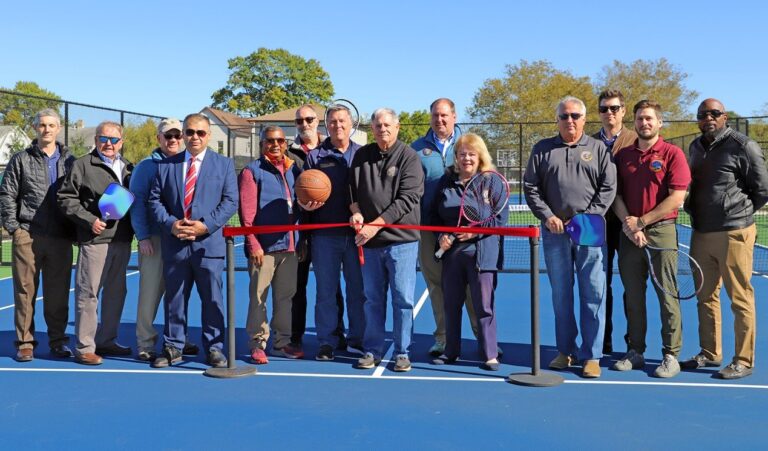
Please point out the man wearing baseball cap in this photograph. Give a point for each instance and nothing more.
(151, 285)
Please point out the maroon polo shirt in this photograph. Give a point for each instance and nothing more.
(645, 178)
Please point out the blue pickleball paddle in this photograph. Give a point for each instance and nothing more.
(115, 202)
(586, 229)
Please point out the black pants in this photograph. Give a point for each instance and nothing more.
(613, 234)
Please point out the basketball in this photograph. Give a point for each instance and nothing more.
(312, 186)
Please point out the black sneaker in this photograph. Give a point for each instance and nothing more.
(170, 356)
(190, 349)
(325, 354)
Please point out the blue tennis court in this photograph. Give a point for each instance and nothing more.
(124, 404)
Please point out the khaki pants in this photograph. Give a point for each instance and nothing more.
(33, 254)
(726, 257)
(100, 267)
(633, 267)
(432, 270)
(278, 270)
(151, 289)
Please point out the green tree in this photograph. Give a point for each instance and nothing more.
(528, 92)
(139, 140)
(20, 110)
(657, 80)
(268, 80)
(413, 125)
(78, 146)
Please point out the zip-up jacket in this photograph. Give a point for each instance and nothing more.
(78, 199)
(28, 200)
(729, 182)
(388, 184)
(143, 222)
(434, 164)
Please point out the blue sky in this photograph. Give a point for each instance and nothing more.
(167, 58)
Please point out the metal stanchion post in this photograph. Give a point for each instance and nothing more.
(231, 370)
(536, 378)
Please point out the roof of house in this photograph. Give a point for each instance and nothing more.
(238, 125)
(285, 116)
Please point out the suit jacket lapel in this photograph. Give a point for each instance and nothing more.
(179, 173)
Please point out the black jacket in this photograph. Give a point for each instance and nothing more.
(28, 200)
(79, 198)
(729, 182)
(388, 184)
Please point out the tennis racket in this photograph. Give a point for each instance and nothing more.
(682, 278)
(354, 114)
(115, 202)
(485, 196)
(586, 229)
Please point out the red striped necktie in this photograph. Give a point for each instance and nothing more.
(189, 187)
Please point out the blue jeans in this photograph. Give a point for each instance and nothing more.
(562, 257)
(394, 267)
(331, 253)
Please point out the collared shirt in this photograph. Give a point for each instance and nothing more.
(565, 179)
(198, 161)
(442, 145)
(335, 164)
(609, 141)
(645, 177)
(115, 164)
(52, 163)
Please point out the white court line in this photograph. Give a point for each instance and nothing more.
(370, 377)
(388, 355)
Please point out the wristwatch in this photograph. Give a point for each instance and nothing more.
(640, 223)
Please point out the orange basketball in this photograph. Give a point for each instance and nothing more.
(313, 186)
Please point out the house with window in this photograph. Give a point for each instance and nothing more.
(12, 139)
(232, 136)
(285, 120)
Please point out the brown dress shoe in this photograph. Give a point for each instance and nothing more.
(591, 369)
(25, 355)
(88, 359)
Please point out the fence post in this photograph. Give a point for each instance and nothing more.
(520, 163)
(66, 124)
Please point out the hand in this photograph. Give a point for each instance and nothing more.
(639, 238)
(365, 234)
(463, 236)
(630, 224)
(311, 205)
(445, 241)
(196, 228)
(145, 247)
(554, 224)
(98, 226)
(356, 221)
(180, 230)
(257, 258)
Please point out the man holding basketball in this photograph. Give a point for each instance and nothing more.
(267, 198)
(387, 182)
(105, 245)
(568, 174)
(729, 185)
(615, 136)
(435, 150)
(307, 140)
(652, 178)
(334, 249)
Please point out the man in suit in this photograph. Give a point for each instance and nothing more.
(105, 245)
(193, 195)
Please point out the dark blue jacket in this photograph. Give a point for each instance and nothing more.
(434, 164)
(445, 212)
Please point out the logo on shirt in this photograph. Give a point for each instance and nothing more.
(427, 151)
(392, 171)
(586, 156)
(656, 165)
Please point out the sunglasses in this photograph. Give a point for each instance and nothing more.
(613, 108)
(169, 136)
(201, 133)
(103, 139)
(274, 140)
(714, 113)
(574, 116)
(308, 120)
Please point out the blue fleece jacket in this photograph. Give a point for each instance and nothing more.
(434, 164)
(142, 220)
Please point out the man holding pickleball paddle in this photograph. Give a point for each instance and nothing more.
(104, 243)
(568, 174)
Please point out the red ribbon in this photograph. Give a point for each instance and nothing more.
(521, 232)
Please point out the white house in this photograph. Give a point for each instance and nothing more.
(12, 137)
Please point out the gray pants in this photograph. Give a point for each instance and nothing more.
(151, 289)
(100, 267)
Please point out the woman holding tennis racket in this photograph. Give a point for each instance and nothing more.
(471, 193)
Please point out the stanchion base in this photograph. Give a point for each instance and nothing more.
(230, 373)
(543, 379)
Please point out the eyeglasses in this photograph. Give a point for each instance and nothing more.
(103, 139)
(613, 108)
(201, 133)
(574, 116)
(701, 115)
(280, 141)
(308, 120)
(169, 136)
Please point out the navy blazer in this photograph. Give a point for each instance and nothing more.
(215, 201)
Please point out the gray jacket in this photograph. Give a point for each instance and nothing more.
(729, 182)
(564, 180)
(28, 200)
